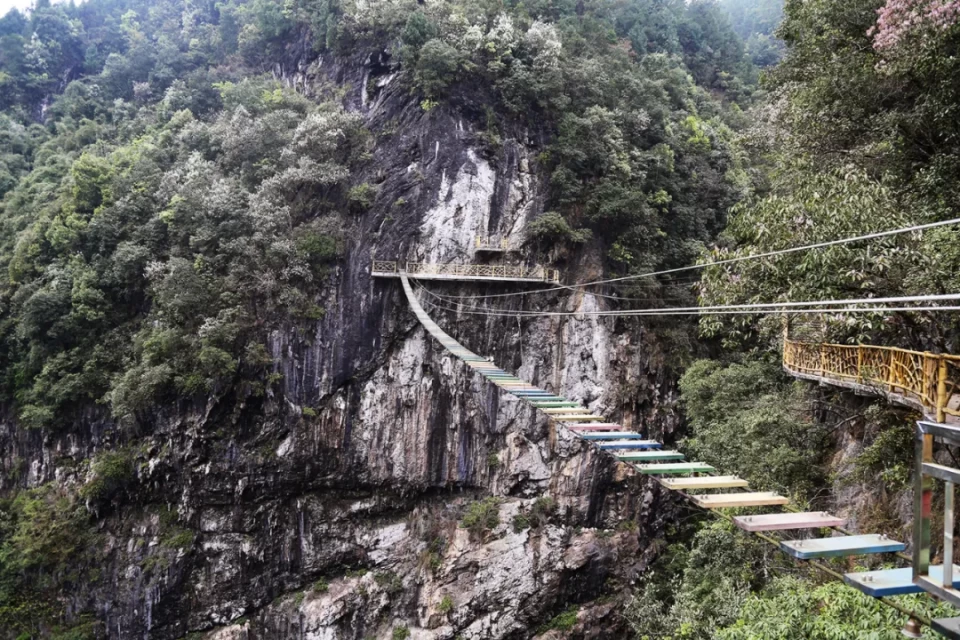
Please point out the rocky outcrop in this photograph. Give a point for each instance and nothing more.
(330, 507)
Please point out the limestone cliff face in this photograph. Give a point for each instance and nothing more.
(329, 509)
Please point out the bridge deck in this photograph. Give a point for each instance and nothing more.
(469, 272)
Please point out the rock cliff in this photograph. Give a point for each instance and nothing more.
(330, 508)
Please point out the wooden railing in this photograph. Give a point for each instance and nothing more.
(923, 380)
(492, 271)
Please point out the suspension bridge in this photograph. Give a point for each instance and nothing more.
(924, 381)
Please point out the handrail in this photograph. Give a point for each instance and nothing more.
(491, 243)
(915, 378)
(468, 270)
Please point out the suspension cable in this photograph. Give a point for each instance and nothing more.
(768, 254)
(810, 306)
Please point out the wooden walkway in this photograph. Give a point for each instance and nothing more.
(928, 382)
(468, 272)
(675, 473)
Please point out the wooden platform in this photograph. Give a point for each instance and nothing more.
(841, 546)
(704, 482)
(894, 582)
(674, 468)
(781, 521)
(727, 500)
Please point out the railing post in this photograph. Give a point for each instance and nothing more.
(942, 390)
(859, 364)
(823, 361)
(891, 377)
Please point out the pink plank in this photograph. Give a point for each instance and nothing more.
(596, 426)
(778, 521)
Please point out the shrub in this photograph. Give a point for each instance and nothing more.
(437, 67)
(401, 633)
(446, 605)
(562, 622)
(389, 581)
(361, 196)
(321, 586)
(112, 471)
(520, 522)
(482, 517)
(542, 510)
(553, 228)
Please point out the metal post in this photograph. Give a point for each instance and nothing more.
(922, 498)
(948, 535)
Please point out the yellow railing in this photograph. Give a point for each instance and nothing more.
(492, 271)
(920, 379)
(491, 244)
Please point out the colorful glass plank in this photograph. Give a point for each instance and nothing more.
(555, 404)
(576, 418)
(840, 546)
(947, 627)
(631, 444)
(780, 521)
(727, 500)
(647, 456)
(894, 582)
(596, 426)
(611, 435)
(674, 468)
(704, 482)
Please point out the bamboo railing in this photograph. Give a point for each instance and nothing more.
(492, 271)
(491, 244)
(919, 379)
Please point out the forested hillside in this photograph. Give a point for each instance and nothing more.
(214, 421)
(856, 135)
(190, 194)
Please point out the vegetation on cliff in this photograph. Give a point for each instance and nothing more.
(169, 197)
